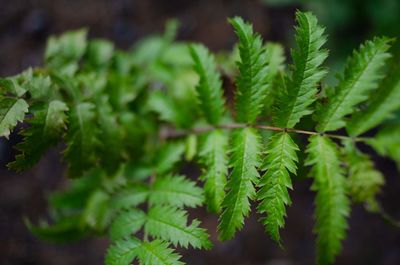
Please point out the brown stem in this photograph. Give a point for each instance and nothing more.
(167, 133)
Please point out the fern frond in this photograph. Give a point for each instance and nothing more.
(332, 204)
(209, 88)
(240, 186)
(158, 252)
(176, 191)
(46, 128)
(110, 136)
(252, 81)
(387, 142)
(129, 197)
(213, 155)
(12, 111)
(123, 251)
(168, 156)
(364, 181)
(361, 76)
(170, 223)
(273, 194)
(293, 104)
(81, 139)
(127, 223)
(381, 104)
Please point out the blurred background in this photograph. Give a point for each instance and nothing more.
(24, 28)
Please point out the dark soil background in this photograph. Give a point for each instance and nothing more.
(24, 28)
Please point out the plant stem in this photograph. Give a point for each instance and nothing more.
(167, 133)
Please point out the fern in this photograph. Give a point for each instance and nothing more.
(131, 121)
(213, 155)
(387, 142)
(364, 181)
(127, 222)
(209, 88)
(12, 111)
(361, 76)
(82, 141)
(46, 128)
(244, 162)
(169, 223)
(273, 194)
(177, 191)
(252, 80)
(381, 104)
(155, 252)
(332, 204)
(308, 57)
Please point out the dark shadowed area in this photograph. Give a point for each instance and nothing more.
(24, 27)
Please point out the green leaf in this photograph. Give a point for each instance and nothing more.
(294, 102)
(12, 111)
(387, 142)
(209, 88)
(332, 204)
(127, 223)
(110, 137)
(213, 156)
(65, 230)
(95, 214)
(63, 52)
(273, 194)
(129, 197)
(175, 191)
(361, 76)
(252, 81)
(40, 87)
(46, 127)
(158, 252)
(240, 186)
(364, 181)
(81, 139)
(168, 156)
(170, 223)
(123, 251)
(381, 104)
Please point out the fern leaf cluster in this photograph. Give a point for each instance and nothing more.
(361, 76)
(301, 89)
(332, 203)
(252, 82)
(128, 123)
(245, 161)
(279, 163)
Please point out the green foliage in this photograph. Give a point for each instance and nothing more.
(387, 142)
(213, 155)
(130, 121)
(244, 162)
(332, 204)
(364, 181)
(209, 88)
(12, 111)
(252, 82)
(381, 104)
(273, 194)
(47, 125)
(177, 191)
(361, 76)
(169, 223)
(294, 102)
